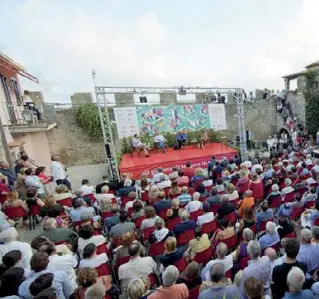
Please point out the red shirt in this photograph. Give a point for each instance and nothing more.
(3, 188)
(45, 178)
(188, 171)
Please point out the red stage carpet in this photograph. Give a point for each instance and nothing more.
(198, 157)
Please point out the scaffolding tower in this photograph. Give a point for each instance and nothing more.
(101, 93)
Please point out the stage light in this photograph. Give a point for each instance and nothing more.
(182, 91)
(143, 99)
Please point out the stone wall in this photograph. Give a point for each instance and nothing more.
(71, 143)
(297, 104)
(260, 119)
(81, 98)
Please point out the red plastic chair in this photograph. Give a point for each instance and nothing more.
(309, 204)
(296, 213)
(185, 237)
(166, 191)
(209, 228)
(153, 280)
(130, 211)
(242, 186)
(157, 249)
(214, 208)
(181, 264)
(289, 197)
(102, 249)
(15, 212)
(194, 215)
(194, 293)
(147, 232)
(106, 215)
(258, 190)
(35, 210)
(125, 200)
(138, 221)
(121, 261)
(231, 242)
(229, 274)
(231, 217)
(144, 196)
(91, 197)
(163, 214)
(302, 190)
(172, 222)
(205, 256)
(316, 221)
(203, 199)
(66, 202)
(276, 202)
(292, 235)
(243, 262)
(103, 270)
(262, 225)
(61, 242)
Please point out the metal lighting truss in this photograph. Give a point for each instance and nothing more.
(101, 93)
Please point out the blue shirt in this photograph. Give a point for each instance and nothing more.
(184, 226)
(76, 213)
(264, 216)
(61, 283)
(109, 222)
(184, 198)
(305, 294)
(10, 175)
(313, 216)
(125, 190)
(309, 254)
(268, 240)
(162, 205)
(220, 292)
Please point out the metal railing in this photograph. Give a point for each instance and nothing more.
(14, 115)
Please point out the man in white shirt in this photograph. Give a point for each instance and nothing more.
(308, 160)
(10, 239)
(137, 143)
(274, 141)
(160, 141)
(269, 143)
(164, 182)
(226, 260)
(137, 267)
(157, 175)
(58, 172)
(256, 166)
(57, 262)
(207, 217)
(316, 167)
(195, 204)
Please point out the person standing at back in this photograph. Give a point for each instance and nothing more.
(58, 172)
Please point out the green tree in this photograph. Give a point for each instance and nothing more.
(312, 102)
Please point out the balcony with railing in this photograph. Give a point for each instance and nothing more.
(25, 119)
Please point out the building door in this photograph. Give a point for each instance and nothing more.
(10, 107)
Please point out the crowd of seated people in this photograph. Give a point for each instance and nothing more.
(228, 232)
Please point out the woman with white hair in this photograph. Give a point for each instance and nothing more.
(161, 233)
(10, 239)
(295, 281)
(271, 237)
(241, 251)
(288, 189)
(275, 192)
(169, 288)
(195, 204)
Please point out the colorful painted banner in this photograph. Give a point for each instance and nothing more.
(172, 118)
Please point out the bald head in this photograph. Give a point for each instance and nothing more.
(271, 253)
(221, 250)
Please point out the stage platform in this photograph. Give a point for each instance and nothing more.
(198, 157)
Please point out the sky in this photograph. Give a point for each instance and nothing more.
(223, 43)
